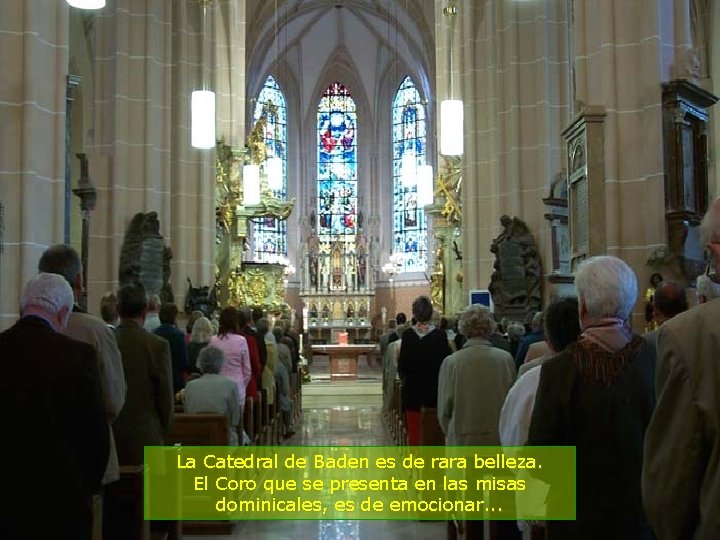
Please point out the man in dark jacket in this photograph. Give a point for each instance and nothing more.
(176, 339)
(51, 406)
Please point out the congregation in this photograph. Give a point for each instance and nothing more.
(87, 394)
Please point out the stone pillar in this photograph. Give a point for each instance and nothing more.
(34, 41)
(512, 66)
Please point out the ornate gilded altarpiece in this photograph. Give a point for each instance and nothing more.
(239, 282)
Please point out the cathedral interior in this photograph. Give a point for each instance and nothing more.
(336, 184)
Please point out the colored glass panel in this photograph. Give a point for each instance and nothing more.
(337, 165)
(269, 234)
(409, 136)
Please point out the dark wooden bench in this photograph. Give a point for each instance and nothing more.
(201, 430)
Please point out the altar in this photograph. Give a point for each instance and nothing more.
(343, 359)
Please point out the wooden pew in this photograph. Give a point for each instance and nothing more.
(201, 430)
(124, 519)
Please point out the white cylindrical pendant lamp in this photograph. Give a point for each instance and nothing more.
(273, 169)
(86, 4)
(203, 119)
(251, 185)
(425, 185)
(451, 127)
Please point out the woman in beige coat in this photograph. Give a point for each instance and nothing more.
(473, 383)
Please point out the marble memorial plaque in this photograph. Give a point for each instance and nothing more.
(151, 265)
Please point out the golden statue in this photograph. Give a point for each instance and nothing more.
(437, 279)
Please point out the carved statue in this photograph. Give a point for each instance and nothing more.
(313, 249)
(200, 299)
(515, 282)
(361, 247)
(437, 279)
(144, 257)
(447, 189)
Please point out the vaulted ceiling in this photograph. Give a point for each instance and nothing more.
(314, 41)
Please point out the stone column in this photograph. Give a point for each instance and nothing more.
(512, 65)
(34, 41)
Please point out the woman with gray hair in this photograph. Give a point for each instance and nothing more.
(473, 383)
(598, 395)
(213, 393)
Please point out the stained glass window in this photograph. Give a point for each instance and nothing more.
(270, 234)
(337, 165)
(409, 132)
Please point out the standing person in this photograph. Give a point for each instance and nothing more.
(251, 336)
(202, 333)
(65, 261)
(473, 383)
(213, 393)
(669, 300)
(598, 395)
(237, 355)
(681, 475)
(176, 339)
(400, 319)
(472, 386)
(108, 311)
(51, 404)
(146, 417)
(422, 350)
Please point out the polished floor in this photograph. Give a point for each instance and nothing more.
(345, 423)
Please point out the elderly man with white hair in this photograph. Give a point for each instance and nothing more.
(51, 409)
(598, 395)
(681, 475)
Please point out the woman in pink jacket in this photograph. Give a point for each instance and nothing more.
(237, 355)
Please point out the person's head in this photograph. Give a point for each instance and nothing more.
(476, 321)
(607, 288)
(422, 309)
(444, 324)
(202, 331)
(63, 260)
(154, 303)
(132, 301)
(278, 332)
(707, 289)
(515, 330)
(710, 231)
(108, 308)
(228, 321)
(211, 360)
(561, 323)
(257, 314)
(669, 300)
(49, 296)
(244, 317)
(392, 324)
(263, 326)
(400, 318)
(655, 279)
(194, 316)
(168, 313)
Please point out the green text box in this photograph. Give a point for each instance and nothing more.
(370, 482)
